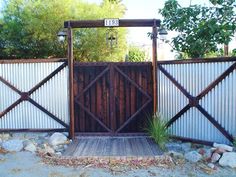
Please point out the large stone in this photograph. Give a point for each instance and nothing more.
(5, 136)
(215, 157)
(220, 151)
(13, 145)
(223, 146)
(186, 147)
(176, 155)
(228, 159)
(57, 139)
(30, 147)
(173, 147)
(48, 149)
(58, 148)
(193, 156)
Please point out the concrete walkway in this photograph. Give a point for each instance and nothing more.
(26, 164)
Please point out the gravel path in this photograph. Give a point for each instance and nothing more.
(26, 164)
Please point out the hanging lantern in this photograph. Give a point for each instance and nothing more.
(111, 37)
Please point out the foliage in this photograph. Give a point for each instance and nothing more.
(136, 54)
(233, 53)
(158, 131)
(30, 29)
(200, 28)
(234, 142)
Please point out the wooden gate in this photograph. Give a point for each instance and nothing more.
(112, 97)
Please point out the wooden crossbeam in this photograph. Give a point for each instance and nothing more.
(122, 23)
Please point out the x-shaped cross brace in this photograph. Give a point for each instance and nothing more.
(25, 96)
(194, 101)
(132, 117)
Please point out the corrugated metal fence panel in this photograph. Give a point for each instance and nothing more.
(53, 95)
(220, 102)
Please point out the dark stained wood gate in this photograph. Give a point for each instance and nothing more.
(112, 97)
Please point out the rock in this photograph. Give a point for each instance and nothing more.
(211, 165)
(57, 139)
(59, 148)
(40, 140)
(176, 155)
(58, 153)
(26, 142)
(0, 141)
(208, 154)
(223, 146)
(173, 147)
(228, 159)
(215, 157)
(186, 147)
(30, 147)
(5, 136)
(220, 151)
(202, 151)
(47, 149)
(18, 136)
(193, 156)
(13, 145)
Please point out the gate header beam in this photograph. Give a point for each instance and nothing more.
(122, 23)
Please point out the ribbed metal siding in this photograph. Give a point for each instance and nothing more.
(220, 102)
(53, 96)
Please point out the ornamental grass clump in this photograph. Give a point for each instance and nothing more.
(157, 130)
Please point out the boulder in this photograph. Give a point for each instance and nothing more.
(173, 147)
(5, 136)
(223, 146)
(220, 151)
(208, 153)
(58, 148)
(193, 156)
(228, 159)
(13, 145)
(215, 157)
(46, 149)
(30, 147)
(186, 147)
(211, 165)
(57, 139)
(176, 155)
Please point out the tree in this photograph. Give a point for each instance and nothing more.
(200, 28)
(29, 29)
(136, 54)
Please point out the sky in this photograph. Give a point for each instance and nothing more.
(148, 9)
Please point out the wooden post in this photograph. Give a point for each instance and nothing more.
(226, 50)
(71, 80)
(154, 65)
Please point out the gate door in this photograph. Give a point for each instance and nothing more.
(112, 97)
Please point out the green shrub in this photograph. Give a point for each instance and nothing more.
(158, 131)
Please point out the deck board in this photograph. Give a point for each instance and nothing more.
(112, 146)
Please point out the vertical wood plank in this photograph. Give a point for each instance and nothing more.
(112, 97)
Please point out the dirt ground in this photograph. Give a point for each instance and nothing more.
(26, 164)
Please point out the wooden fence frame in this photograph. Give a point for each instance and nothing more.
(154, 23)
(25, 96)
(194, 100)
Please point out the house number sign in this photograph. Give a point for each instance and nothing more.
(111, 22)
